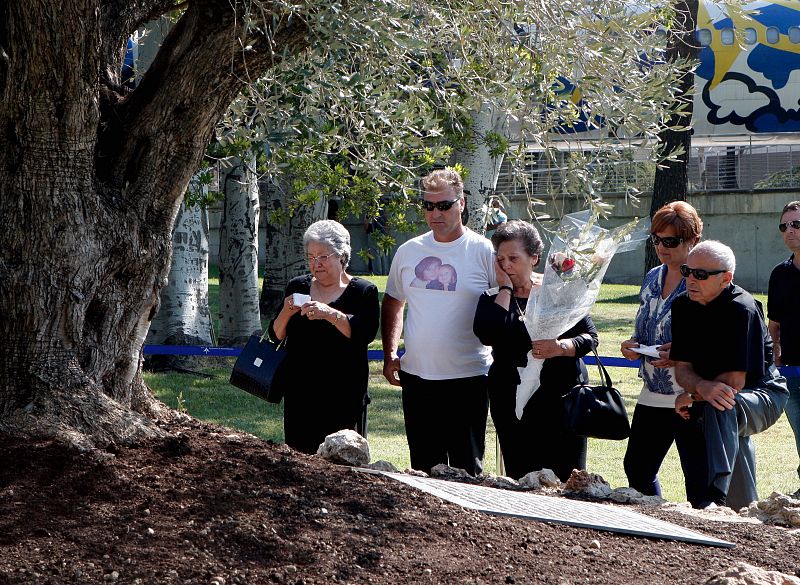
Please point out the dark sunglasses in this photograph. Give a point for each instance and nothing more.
(440, 205)
(668, 242)
(698, 273)
(794, 224)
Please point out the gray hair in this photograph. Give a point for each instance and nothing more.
(332, 234)
(719, 252)
(517, 229)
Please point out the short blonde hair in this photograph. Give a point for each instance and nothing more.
(441, 178)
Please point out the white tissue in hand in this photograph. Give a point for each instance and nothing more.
(299, 299)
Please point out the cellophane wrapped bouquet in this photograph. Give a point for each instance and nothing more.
(576, 263)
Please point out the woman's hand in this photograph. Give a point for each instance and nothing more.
(503, 279)
(625, 348)
(316, 310)
(547, 348)
(663, 361)
(682, 404)
(289, 307)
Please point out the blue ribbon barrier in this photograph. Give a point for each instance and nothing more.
(192, 350)
(377, 355)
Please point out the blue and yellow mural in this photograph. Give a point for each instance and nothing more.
(748, 80)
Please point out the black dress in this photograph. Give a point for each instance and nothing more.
(539, 440)
(329, 372)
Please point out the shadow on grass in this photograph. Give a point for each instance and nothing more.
(626, 300)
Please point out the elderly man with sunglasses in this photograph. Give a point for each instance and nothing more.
(443, 371)
(783, 310)
(724, 362)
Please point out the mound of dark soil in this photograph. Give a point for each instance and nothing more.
(212, 505)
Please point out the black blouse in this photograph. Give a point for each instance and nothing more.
(510, 343)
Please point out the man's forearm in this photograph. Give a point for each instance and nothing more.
(775, 332)
(391, 324)
(687, 378)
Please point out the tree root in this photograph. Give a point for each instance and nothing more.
(85, 420)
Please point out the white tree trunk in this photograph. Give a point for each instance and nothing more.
(285, 255)
(238, 255)
(484, 168)
(184, 317)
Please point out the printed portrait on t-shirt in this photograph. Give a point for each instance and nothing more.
(431, 273)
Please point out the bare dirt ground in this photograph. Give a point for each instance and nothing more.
(215, 506)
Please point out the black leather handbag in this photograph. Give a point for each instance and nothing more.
(258, 369)
(597, 411)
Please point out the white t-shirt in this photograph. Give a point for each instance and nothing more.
(441, 283)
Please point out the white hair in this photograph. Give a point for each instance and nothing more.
(330, 233)
(717, 251)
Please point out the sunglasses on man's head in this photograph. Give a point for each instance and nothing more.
(668, 242)
(794, 224)
(440, 205)
(699, 273)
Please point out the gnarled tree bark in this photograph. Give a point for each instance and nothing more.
(91, 179)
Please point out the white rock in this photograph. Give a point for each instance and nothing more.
(776, 509)
(345, 447)
(500, 482)
(745, 574)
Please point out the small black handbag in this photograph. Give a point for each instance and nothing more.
(258, 369)
(597, 411)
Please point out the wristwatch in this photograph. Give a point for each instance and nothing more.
(563, 345)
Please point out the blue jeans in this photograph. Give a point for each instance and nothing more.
(793, 410)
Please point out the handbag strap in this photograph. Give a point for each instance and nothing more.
(604, 377)
(280, 345)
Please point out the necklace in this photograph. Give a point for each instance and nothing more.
(520, 312)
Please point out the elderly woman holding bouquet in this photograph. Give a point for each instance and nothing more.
(675, 230)
(539, 440)
(326, 341)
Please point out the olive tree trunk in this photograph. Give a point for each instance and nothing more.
(91, 179)
(671, 182)
(238, 255)
(184, 317)
(483, 165)
(285, 254)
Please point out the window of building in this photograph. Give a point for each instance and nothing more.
(773, 35)
(727, 36)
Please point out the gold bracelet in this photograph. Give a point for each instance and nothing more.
(338, 317)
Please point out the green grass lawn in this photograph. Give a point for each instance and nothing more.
(214, 400)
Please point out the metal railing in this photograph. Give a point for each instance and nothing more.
(748, 167)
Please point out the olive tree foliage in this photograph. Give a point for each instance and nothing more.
(93, 174)
(420, 91)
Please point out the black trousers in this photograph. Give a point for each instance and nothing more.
(538, 441)
(652, 432)
(445, 421)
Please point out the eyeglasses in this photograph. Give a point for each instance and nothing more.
(320, 259)
(794, 224)
(698, 273)
(668, 242)
(440, 205)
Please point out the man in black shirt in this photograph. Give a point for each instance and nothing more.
(723, 355)
(783, 310)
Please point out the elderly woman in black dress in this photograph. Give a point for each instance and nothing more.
(539, 440)
(326, 342)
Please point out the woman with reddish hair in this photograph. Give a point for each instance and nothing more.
(676, 228)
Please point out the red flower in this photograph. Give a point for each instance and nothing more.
(567, 265)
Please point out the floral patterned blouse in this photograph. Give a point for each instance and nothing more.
(654, 327)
